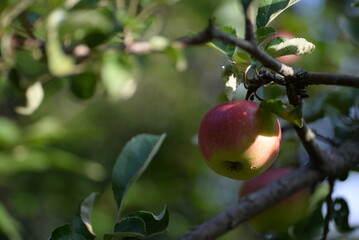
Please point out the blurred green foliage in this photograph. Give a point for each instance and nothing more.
(63, 146)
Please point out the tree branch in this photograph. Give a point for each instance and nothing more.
(332, 79)
(266, 197)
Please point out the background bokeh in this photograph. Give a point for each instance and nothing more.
(52, 159)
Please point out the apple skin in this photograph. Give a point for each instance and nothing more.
(239, 140)
(283, 214)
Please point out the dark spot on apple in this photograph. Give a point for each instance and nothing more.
(234, 166)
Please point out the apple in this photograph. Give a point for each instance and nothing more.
(238, 139)
(283, 214)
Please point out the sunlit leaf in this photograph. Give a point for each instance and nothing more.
(118, 76)
(341, 215)
(284, 110)
(241, 60)
(269, 9)
(60, 64)
(34, 96)
(132, 161)
(230, 77)
(281, 46)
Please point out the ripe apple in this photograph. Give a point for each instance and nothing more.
(238, 139)
(285, 213)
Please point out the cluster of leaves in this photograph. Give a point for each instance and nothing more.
(244, 69)
(132, 161)
(76, 42)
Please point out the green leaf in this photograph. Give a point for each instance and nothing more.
(349, 27)
(281, 46)
(81, 223)
(34, 95)
(284, 110)
(341, 215)
(83, 86)
(118, 76)
(88, 26)
(269, 9)
(60, 64)
(231, 78)
(133, 160)
(8, 225)
(222, 47)
(241, 60)
(80, 228)
(177, 56)
(62, 233)
(245, 4)
(133, 227)
(355, 3)
(264, 32)
(154, 224)
(10, 132)
(141, 224)
(311, 226)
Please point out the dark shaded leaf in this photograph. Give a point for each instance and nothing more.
(341, 215)
(270, 9)
(80, 228)
(264, 32)
(349, 27)
(312, 225)
(245, 4)
(222, 47)
(62, 233)
(83, 86)
(154, 224)
(128, 227)
(133, 160)
(284, 110)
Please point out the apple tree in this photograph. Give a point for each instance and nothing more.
(83, 82)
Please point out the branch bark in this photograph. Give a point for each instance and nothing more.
(259, 201)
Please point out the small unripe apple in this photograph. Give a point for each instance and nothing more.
(239, 140)
(283, 214)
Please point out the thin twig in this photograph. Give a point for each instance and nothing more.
(330, 205)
